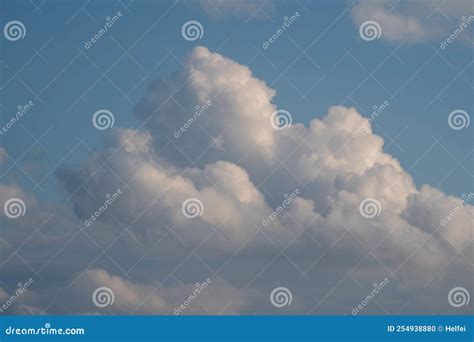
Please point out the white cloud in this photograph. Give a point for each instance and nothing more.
(240, 187)
(229, 86)
(413, 21)
(123, 296)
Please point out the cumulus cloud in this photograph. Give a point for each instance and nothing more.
(96, 292)
(229, 86)
(414, 21)
(125, 296)
(317, 244)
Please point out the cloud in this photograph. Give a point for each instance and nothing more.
(226, 84)
(13, 302)
(239, 8)
(413, 22)
(96, 292)
(316, 243)
(427, 210)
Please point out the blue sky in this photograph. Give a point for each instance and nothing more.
(421, 82)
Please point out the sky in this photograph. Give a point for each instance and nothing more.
(239, 154)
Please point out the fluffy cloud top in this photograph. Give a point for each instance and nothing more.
(317, 244)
